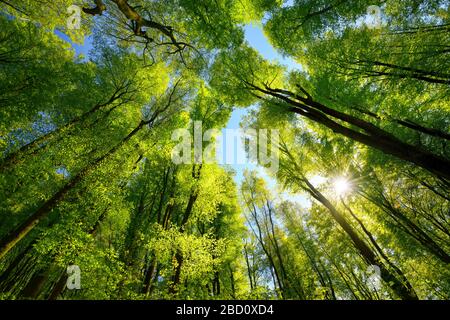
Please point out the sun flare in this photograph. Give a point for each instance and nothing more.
(341, 186)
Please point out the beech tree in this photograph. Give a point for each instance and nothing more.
(358, 208)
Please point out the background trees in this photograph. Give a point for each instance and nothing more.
(87, 177)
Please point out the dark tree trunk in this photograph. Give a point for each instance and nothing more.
(402, 289)
(369, 134)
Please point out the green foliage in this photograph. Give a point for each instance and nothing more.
(87, 178)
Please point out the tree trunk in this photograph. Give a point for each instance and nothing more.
(13, 157)
(10, 240)
(403, 290)
(371, 136)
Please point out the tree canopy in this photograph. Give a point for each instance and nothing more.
(358, 207)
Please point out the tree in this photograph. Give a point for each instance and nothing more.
(358, 208)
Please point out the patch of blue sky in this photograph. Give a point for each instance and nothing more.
(287, 3)
(62, 170)
(81, 50)
(258, 40)
(42, 125)
(235, 119)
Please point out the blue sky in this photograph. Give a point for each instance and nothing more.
(256, 38)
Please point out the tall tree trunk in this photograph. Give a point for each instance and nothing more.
(174, 287)
(149, 277)
(232, 282)
(249, 269)
(403, 290)
(409, 227)
(268, 254)
(216, 284)
(14, 157)
(377, 247)
(371, 135)
(35, 285)
(10, 240)
(196, 172)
